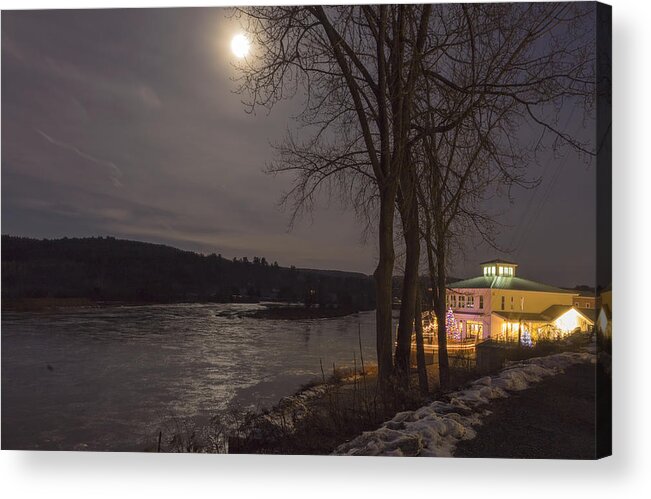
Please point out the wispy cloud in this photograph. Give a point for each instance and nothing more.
(125, 88)
(115, 173)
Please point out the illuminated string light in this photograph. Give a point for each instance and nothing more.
(451, 326)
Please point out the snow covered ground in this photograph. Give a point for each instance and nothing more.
(435, 429)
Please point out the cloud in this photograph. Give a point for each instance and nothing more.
(115, 173)
(125, 87)
(149, 97)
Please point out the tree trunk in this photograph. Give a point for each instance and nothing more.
(437, 280)
(384, 286)
(409, 215)
(444, 369)
(420, 346)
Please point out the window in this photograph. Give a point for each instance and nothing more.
(454, 301)
(511, 303)
(462, 301)
(470, 303)
(576, 304)
(503, 302)
(522, 303)
(501, 270)
(587, 305)
(474, 330)
(493, 267)
(481, 301)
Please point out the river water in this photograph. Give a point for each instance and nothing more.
(111, 378)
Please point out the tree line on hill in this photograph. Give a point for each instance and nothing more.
(110, 269)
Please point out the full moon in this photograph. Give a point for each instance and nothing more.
(240, 46)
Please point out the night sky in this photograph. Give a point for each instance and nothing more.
(124, 123)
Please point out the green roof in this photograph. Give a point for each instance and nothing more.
(502, 282)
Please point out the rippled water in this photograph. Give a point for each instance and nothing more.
(110, 378)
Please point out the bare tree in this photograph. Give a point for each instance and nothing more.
(504, 65)
(381, 81)
(423, 382)
(357, 67)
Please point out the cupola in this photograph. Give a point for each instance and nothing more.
(498, 268)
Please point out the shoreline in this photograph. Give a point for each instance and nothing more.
(41, 304)
(273, 310)
(336, 414)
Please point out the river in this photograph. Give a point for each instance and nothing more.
(111, 378)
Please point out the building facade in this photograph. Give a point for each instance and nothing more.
(500, 305)
(587, 300)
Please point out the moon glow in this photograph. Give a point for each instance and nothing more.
(240, 46)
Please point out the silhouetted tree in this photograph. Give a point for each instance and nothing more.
(543, 64)
(358, 66)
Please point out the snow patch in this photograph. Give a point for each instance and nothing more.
(435, 429)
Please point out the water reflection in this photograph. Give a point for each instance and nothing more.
(117, 374)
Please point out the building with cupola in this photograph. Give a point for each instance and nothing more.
(500, 305)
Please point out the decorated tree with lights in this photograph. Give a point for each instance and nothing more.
(451, 326)
(525, 338)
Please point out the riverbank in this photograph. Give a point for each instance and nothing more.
(317, 419)
(343, 415)
(44, 304)
(41, 304)
(321, 416)
(272, 310)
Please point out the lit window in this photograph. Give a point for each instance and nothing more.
(522, 303)
(493, 269)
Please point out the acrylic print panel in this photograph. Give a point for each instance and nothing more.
(359, 230)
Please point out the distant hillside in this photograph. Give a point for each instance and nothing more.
(110, 269)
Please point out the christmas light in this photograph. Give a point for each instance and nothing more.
(525, 337)
(451, 326)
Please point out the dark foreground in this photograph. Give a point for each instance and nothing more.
(555, 419)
